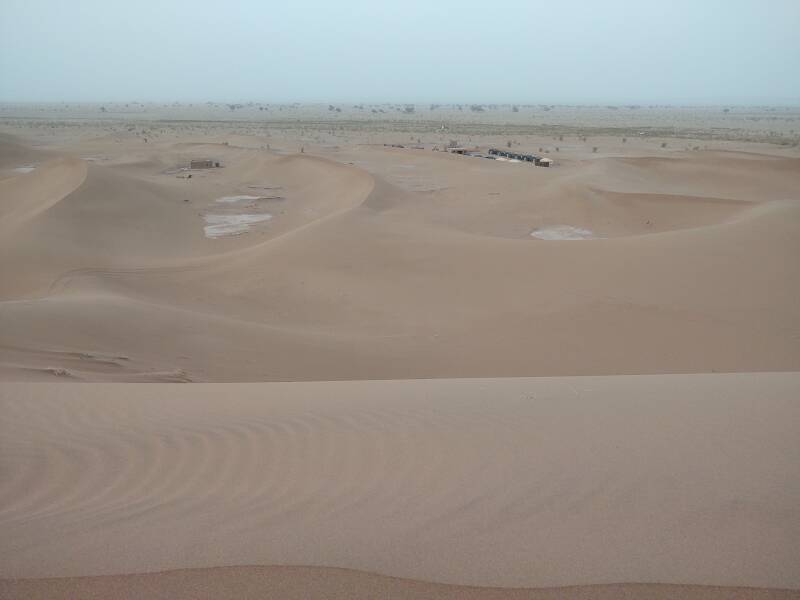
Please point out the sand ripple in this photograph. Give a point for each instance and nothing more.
(521, 482)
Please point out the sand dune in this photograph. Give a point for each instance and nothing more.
(26, 197)
(351, 272)
(316, 583)
(399, 306)
(533, 483)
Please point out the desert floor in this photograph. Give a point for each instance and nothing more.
(468, 378)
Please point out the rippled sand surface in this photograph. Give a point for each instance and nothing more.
(510, 483)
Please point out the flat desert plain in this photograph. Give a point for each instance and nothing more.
(415, 374)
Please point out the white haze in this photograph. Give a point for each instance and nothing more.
(677, 51)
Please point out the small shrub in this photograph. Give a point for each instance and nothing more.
(594, 149)
(663, 144)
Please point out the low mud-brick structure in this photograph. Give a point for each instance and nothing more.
(537, 160)
(203, 163)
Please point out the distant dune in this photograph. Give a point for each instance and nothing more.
(386, 263)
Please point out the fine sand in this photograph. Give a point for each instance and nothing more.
(687, 480)
(468, 378)
(370, 262)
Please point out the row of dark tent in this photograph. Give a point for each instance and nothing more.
(537, 160)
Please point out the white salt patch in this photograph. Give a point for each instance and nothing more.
(562, 232)
(221, 225)
(25, 169)
(237, 198)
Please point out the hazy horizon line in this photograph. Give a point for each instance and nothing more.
(784, 103)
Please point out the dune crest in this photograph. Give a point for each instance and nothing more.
(318, 583)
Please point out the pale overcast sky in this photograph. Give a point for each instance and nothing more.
(579, 51)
